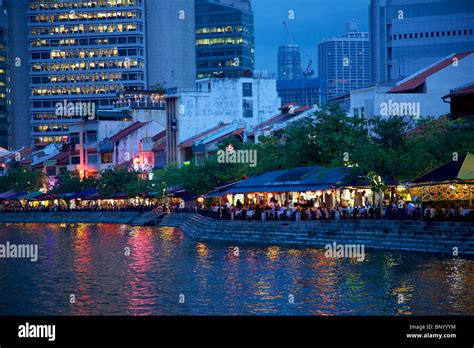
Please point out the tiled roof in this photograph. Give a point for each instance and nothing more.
(227, 135)
(287, 105)
(159, 147)
(267, 124)
(302, 109)
(270, 121)
(61, 158)
(417, 80)
(160, 135)
(191, 141)
(463, 90)
(127, 131)
(25, 153)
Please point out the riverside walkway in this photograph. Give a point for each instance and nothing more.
(426, 236)
(405, 235)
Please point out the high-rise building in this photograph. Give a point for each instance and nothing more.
(409, 35)
(302, 92)
(344, 62)
(81, 53)
(289, 62)
(20, 130)
(170, 43)
(4, 79)
(224, 38)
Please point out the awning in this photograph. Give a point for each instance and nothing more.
(454, 171)
(18, 195)
(122, 195)
(45, 197)
(85, 194)
(221, 190)
(8, 194)
(276, 188)
(65, 195)
(32, 195)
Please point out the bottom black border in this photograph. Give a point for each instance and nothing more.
(195, 330)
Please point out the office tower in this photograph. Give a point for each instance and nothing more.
(409, 35)
(171, 46)
(344, 63)
(289, 63)
(20, 130)
(81, 54)
(224, 38)
(300, 92)
(4, 78)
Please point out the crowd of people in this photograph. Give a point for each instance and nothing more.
(272, 211)
(85, 206)
(290, 212)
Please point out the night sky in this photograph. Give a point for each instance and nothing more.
(314, 21)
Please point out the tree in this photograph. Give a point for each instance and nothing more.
(328, 139)
(115, 181)
(71, 184)
(22, 180)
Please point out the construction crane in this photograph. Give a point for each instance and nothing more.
(309, 69)
(288, 32)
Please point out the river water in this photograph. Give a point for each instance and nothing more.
(101, 269)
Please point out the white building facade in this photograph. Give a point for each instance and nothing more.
(247, 101)
(418, 95)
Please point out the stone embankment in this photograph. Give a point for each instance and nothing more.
(438, 237)
(117, 217)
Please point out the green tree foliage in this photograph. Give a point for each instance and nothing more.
(113, 181)
(22, 180)
(68, 183)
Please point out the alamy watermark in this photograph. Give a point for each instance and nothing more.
(393, 108)
(77, 109)
(37, 331)
(230, 155)
(355, 251)
(20, 251)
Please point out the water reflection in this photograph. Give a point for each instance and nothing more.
(140, 290)
(82, 271)
(124, 270)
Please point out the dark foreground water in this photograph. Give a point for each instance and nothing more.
(166, 268)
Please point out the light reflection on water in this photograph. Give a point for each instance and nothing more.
(92, 263)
